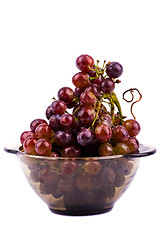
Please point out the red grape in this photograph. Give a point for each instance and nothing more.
(25, 135)
(71, 151)
(66, 185)
(107, 176)
(85, 137)
(92, 167)
(114, 69)
(81, 80)
(36, 122)
(94, 88)
(78, 91)
(66, 94)
(88, 99)
(67, 121)
(63, 138)
(103, 132)
(43, 147)
(120, 134)
(84, 183)
(43, 131)
(68, 167)
(49, 112)
(29, 145)
(132, 127)
(97, 81)
(84, 62)
(106, 118)
(92, 73)
(132, 143)
(105, 149)
(107, 85)
(86, 116)
(54, 122)
(58, 107)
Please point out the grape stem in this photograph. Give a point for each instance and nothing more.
(111, 102)
(117, 103)
(131, 90)
(98, 109)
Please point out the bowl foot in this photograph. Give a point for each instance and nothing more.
(81, 212)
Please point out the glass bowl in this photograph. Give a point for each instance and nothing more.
(80, 186)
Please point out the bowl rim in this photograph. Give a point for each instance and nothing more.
(144, 150)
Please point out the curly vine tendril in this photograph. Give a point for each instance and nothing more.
(131, 90)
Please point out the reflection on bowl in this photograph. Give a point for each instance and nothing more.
(80, 186)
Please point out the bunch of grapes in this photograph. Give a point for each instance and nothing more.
(86, 121)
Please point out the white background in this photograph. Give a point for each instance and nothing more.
(39, 42)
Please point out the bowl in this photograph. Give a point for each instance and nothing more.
(80, 186)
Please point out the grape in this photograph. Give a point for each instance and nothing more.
(67, 121)
(103, 193)
(71, 104)
(34, 176)
(78, 91)
(43, 147)
(81, 80)
(114, 69)
(88, 99)
(107, 176)
(105, 149)
(29, 145)
(96, 183)
(43, 131)
(107, 85)
(25, 135)
(30, 162)
(97, 81)
(86, 115)
(91, 129)
(84, 62)
(106, 119)
(71, 151)
(119, 166)
(46, 188)
(92, 73)
(63, 138)
(66, 94)
(49, 112)
(85, 137)
(103, 132)
(94, 88)
(132, 127)
(83, 182)
(119, 181)
(66, 185)
(120, 134)
(132, 143)
(68, 167)
(121, 149)
(35, 123)
(54, 122)
(92, 167)
(47, 176)
(58, 107)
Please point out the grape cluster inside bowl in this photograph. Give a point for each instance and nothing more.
(85, 156)
(80, 193)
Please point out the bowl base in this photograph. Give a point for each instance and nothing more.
(81, 212)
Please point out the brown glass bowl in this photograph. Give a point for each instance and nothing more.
(80, 186)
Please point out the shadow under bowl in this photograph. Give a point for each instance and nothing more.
(80, 186)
